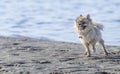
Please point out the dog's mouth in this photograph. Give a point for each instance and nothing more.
(84, 27)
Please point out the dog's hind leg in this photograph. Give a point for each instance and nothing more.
(101, 42)
(93, 48)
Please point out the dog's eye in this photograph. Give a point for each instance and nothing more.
(83, 22)
(80, 24)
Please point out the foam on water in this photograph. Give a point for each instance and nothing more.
(54, 19)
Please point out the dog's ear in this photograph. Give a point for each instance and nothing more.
(88, 17)
(80, 15)
(78, 18)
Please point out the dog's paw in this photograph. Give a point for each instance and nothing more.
(88, 55)
(85, 53)
(106, 54)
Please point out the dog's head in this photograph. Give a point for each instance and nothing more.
(83, 22)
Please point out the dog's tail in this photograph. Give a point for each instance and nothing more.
(99, 26)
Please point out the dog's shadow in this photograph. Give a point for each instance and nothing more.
(109, 57)
(112, 57)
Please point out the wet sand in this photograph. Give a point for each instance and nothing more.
(33, 56)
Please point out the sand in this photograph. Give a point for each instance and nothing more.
(34, 56)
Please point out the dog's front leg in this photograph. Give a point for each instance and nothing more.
(87, 52)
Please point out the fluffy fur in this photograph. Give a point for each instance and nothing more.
(90, 33)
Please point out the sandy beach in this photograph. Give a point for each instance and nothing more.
(33, 56)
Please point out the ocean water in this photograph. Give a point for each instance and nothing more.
(54, 19)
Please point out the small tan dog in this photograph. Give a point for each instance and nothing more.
(90, 33)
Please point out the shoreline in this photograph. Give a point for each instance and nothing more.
(48, 39)
(36, 56)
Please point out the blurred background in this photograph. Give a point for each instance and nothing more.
(54, 19)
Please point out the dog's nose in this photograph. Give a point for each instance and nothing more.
(80, 24)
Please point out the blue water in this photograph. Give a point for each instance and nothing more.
(54, 19)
